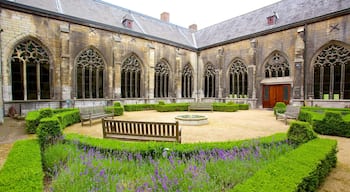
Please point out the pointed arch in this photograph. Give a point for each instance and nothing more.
(89, 73)
(30, 70)
(331, 71)
(161, 78)
(276, 65)
(187, 81)
(131, 76)
(238, 78)
(209, 80)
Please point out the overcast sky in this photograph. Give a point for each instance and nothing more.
(186, 12)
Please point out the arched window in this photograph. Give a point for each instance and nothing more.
(332, 73)
(30, 72)
(186, 80)
(89, 73)
(131, 77)
(238, 79)
(277, 66)
(209, 81)
(161, 79)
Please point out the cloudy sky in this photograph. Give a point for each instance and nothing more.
(187, 12)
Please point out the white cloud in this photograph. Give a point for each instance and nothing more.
(187, 12)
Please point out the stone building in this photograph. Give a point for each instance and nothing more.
(62, 53)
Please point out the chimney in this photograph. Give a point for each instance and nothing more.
(164, 16)
(193, 27)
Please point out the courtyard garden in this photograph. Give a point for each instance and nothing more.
(65, 161)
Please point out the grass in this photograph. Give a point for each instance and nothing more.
(87, 169)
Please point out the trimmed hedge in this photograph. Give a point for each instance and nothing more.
(279, 107)
(295, 171)
(22, 170)
(139, 107)
(172, 107)
(32, 121)
(67, 118)
(243, 106)
(332, 124)
(49, 131)
(300, 132)
(225, 107)
(155, 149)
(45, 112)
(118, 111)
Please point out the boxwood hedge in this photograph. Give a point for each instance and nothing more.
(302, 169)
(22, 170)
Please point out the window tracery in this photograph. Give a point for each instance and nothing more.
(331, 73)
(131, 77)
(90, 72)
(187, 78)
(238, 79)
(161, 79)
(30, 72)
(277, 66)
(209, 81)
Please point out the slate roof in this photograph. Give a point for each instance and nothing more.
(289, 12)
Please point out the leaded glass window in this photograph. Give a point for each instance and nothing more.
(30, 72)
(131, 77)
(238, 79)
(332, 73)
(209, 81)
(89, 74)
(161, 79)
(187, 80)
(277, 66)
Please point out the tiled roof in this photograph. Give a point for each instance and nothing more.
(288, 11)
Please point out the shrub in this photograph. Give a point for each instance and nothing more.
(68, 117)
(22, 170)
(32, 121)
(295, 171)
(161, 102)
(49, 131)
(305, 116)
(243, 106)
(225, 107)
(118, 111)
(45, 112)
(279, 107)
(61, 110)
(300, 132)
(172, 107)
(332, 124)
(117, 104)
(139, 107)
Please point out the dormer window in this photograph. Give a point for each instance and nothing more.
(271, 20)
(127, 21)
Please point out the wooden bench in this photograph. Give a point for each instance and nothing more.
(292, 112)
(143, 131)
(90, 113)
(200, 107)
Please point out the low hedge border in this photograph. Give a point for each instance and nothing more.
(295, 171)
(22, 170)
(172, 107)
(139, 107)
(155, 149)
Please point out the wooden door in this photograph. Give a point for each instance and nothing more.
(275, 93)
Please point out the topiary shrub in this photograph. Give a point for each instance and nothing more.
(49, 131)
(279, 107)
(68, 118)
(117, 104)
(161, 103)
(243, 106)
(332, 124)
(305, 116)
(45, 112)
(300, 132)
(32, 121)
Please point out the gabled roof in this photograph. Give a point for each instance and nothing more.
(290, 13)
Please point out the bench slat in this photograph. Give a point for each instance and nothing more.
(134, 130)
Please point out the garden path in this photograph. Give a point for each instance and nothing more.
(222, 127)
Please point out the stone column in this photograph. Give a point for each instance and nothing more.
(152, 63)
(298, 88)
(117, 62)
(65, 70)
(220, 60)
(178, 83)
(252, 69)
